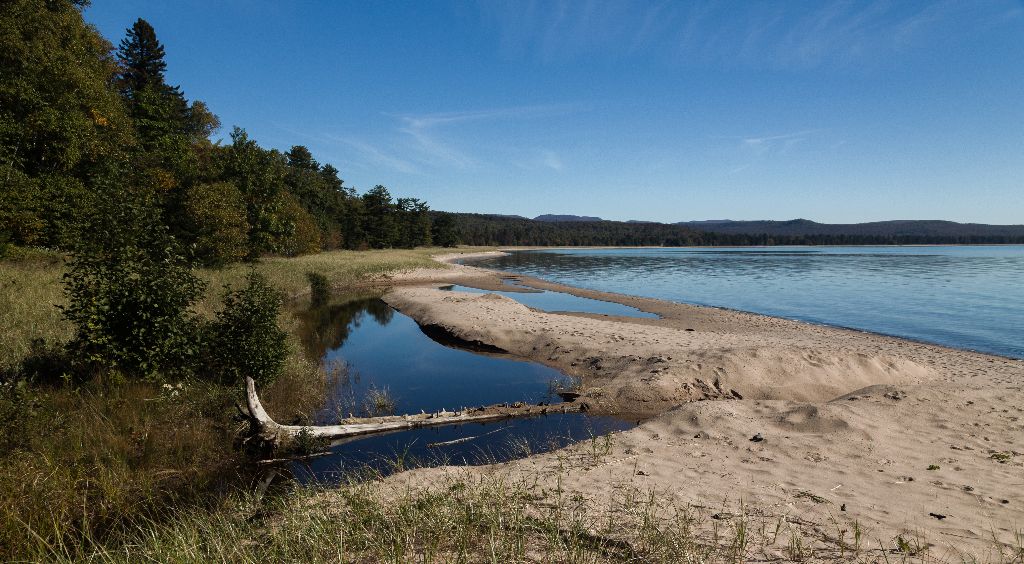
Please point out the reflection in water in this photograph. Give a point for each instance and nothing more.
(327, 327)
(967, 297)
(470, 444)
(378, 350)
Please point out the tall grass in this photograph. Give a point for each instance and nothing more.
(84, 467)
(492, 518)
(30, 291)
(30, 288)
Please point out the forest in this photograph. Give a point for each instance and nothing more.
(87, 129)
(480, 229)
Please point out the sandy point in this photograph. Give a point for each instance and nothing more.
(745, 414)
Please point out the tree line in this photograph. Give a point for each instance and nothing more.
(84, 126)
(480, 229)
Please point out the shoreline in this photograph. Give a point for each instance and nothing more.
(896, 431)
(806, 246)
(628, 299)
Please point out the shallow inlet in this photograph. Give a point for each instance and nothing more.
(383, 361)
(545, 300)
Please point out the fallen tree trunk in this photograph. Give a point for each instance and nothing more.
(273, 434)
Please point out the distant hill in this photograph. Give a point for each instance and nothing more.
(706, 221)
(552, 217)
(573, 230)
(940, 230)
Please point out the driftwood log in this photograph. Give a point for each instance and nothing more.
(272, 434)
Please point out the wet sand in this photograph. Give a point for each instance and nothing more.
(850, 429)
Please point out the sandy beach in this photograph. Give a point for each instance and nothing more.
(836, 432)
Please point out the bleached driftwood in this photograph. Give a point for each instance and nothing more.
(273, 433)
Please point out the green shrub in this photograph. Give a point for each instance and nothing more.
(129, 290)
(216, 214)
(319, 288)
(303, 235)
(17, 406)
(245, 339)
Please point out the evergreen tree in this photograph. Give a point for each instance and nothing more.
(300, 158)
(142, 59)
(443, 232)
(379, 218)
(167, 125)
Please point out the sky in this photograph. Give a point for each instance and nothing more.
(839, 112)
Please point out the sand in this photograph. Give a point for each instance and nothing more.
(899, 437)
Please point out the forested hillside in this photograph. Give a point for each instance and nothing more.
(932, 231)
(86, 129)
(478, 229)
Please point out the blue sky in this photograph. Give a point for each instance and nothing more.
(667, 111)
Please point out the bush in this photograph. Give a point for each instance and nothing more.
(245, 339)
(216, 217)
(319, 288)
(129, 290)
(303, 236)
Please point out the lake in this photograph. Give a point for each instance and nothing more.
(968, 297)
(377, 353)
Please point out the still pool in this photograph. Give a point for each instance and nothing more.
(560, 302)
(383, 363)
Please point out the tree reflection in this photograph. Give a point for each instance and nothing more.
(327, 327)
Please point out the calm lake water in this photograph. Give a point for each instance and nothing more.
(560, 302)
(964, 297)
(383, 351)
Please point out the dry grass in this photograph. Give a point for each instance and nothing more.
(84, 467)
(30, 288)
(493, 518)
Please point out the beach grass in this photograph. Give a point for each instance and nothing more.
(486, 518)
(85, 464)
(30, 287)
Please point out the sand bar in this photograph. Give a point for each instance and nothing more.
(899, 437)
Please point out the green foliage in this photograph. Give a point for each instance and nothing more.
(319, 288)
(259, 174)
(168, 127)
(59, 116)
(216, 219)
(484, 229)
(70, 109)
(18, 404)
(380, 211)
(414, 219)
(303, 235)
(129, 289)
(245, 339)
(443, 230)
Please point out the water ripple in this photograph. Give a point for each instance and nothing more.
(965, 297)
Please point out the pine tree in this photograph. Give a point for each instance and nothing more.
(142, 58)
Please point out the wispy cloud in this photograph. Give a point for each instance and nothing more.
(422, 143)
(777, 143)
(760, 148)
(433, 142)
(772, 34)
(376, 156)
(551, 160)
